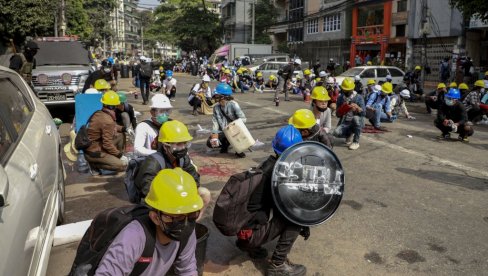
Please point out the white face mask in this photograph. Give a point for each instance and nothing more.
(482, 90)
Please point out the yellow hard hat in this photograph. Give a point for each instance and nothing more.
(174, 132)
(463, 86)
(320, 93)
(479, 83)
(110, 98)
(418, 67)
(102, 84)
(161, 68)
(302, 119)
(240, 71)
(307, 72)
(369, 63)
(371, 82)
(348, 84)
(453, 85)
(441, 85)
(259, 74)
(174, 191)
(387, 87)
(272, 77)
(227, 71)
(318, 79)
(486, 73)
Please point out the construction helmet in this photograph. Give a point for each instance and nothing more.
(307, 72)
(479, 83)
(174, 132)
(320, 93)
(240, 71)
(405, 93)
(322, 74)
(122, 96)
(174, 191)
(330, 80)
(110, 98)
(369, 63)
(348, 84)
(486, 73)
(371, 82)
(227, 71)
(223, 89)
(169, 73)
(418, 67)
(259, 74)
(387, 88)
(160, 101)
(302, 119)
(286, 137)
(298, 61)
(206, 78)
(463, 86)
(441, 85)
(272, 77)
(102, 84)
(453, 93)
(453, 85)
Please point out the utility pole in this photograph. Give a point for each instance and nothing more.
(142, 39)
(253, 19)
(425, 31)
(63, 18)
(56, 23)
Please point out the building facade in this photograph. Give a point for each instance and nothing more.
(236, 20)
(117, 25)
(132, 27)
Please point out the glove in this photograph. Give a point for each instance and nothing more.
(130, 131)
(124, 160)
(305, 233)
(411, 118)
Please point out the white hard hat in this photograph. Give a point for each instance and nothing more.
(388, 77)
(377, 87)
(206, 78)
(92, 91)
(160, 101)
(330, 80)
(357, 77)
(143, 58)
(405, 93)
(331, 59)
(312, 75)
(298, 61)
(322, 74)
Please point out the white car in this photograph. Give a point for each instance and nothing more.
(378, 73)
(32, 178)
(271, 68)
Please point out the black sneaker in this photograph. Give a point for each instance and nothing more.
(240, 155)
(463, 139)
(444, 136)
(255, 253)
(286, 269)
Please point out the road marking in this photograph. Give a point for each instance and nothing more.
(396, 147)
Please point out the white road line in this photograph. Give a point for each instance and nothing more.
(396, 147)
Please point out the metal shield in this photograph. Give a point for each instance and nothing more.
(307, 183)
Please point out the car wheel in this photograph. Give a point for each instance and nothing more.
(61, 197)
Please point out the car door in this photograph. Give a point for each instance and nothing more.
(381, 74)
(396, 75)
(366, 75)
(263, 68)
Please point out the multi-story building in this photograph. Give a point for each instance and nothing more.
(213, 6)
(117, 41)
(236, 20)
(132, 27)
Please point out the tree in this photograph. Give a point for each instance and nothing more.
(265, 15)
(77, 20)
(99, 17)
(477, 8)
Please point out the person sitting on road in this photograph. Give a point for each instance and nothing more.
(397, 102)
(305, 121)
(107, 140)
(333, 92)
(263, 228)
(145, 142)
(453, 85)
(351, 112)
(369, 89)
(241, 81)
(464, 89)
(378, 107)
(125, 115)
(322, 79)
(169, 85)
(173, 143)
(175, 206)
(259, 83)
(273, 82)
(473, 100)
(105, 72)
(320, 102)
(225, 111)
(452, 117)
(102, 86)
(435, 98)
(199, 93)
(389, 78)
(358, 85)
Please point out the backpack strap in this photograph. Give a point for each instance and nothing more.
(160, 158)
(148, 252)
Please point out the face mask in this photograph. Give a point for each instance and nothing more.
(178, 229)
(321, 109)
(106, 70)
(348, 94)
(110, 107)
(482, 90)
(162, 118)
(179, 153)
(449, 102)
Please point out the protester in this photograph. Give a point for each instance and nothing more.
(105, 72)
(24, 63)
(124, 114)
(200, 94)
(473, 100)
(145, 71)
(435, 98)
(378, 108)
(285, 75)
(258, 83)
(397, 102)
(452, 117)
(101, 85)
(169, 85)
(306, 122)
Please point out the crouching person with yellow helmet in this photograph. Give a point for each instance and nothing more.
(172, 152)
(107, 139)
(174, 207)
(306, 122)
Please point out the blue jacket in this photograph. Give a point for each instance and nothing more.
(376, 99)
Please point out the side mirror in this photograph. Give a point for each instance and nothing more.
(3, 187)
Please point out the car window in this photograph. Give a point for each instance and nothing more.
(15, 110)
(6, 140)
(282, 59)
(381, 72)
(352, 72)
(368, 73)
(272, 66)
(395, 72)
(262, 67)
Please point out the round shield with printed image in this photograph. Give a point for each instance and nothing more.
(307, 183)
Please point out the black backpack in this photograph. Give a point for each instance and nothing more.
(101, 233)
(82, 142)
(146, 70)
(230, 212)
(133, 192)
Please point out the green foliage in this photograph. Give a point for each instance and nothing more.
(99, 17)
(265, 15)
(477, 8)
(77, 20)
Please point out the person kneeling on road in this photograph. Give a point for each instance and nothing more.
(350, 110)
(397, 102)
(379, 106)
(175, 206)
(124, 114)
(323, 114)
(145, 142)
(260, 229)
(452, 117)
(173, 147)
(435, 98)
(224, 112)
(107, 138)
(199, 93)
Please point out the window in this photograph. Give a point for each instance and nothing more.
(5, 139)
(402, 6)
(295, 10)
(313, 26)
(295, 34)
(332, 23)
(368, 74)
(395, 72)
(381, 72)
(400, 30)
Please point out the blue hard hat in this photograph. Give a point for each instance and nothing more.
(453, 93)
(223, 89)
(169, 73)
(286, 137)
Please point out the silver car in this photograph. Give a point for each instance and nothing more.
(378, 73)
(32, 178)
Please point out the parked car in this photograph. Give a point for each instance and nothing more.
(256, 62)
(378, 73)
(271, 68)
(32, 178)
(62, 67)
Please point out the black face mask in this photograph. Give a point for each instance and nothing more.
(179, 153)
(321, 109)
(347, 94)
(178, 230)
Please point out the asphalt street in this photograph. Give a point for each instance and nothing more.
(413, 205)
